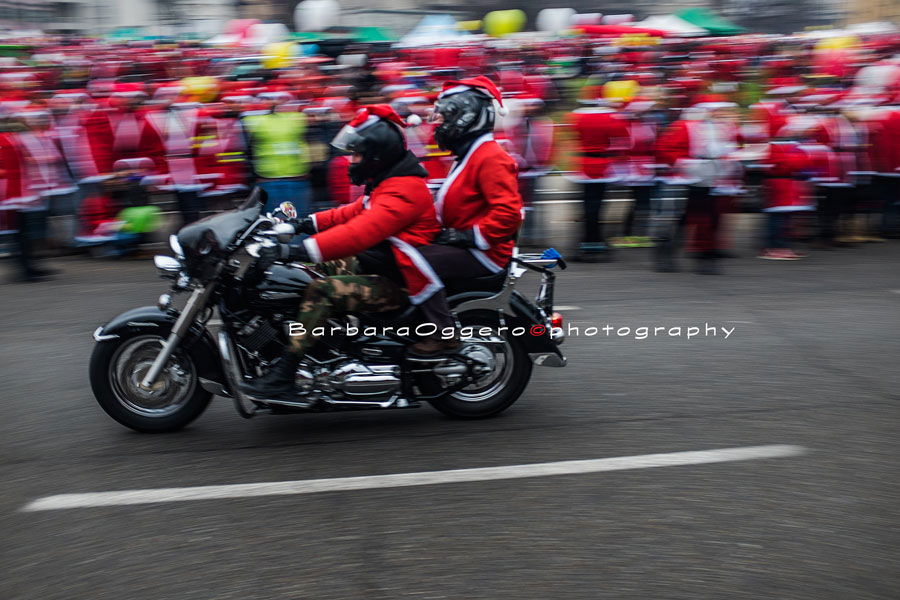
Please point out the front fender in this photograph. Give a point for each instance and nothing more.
(519, 312)
(150, 319)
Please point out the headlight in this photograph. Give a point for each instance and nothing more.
(176, 247)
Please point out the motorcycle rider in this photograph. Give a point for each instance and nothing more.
(396, 213)
(478, 204)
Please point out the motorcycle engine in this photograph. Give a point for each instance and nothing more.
(260, 338)
(350, 381)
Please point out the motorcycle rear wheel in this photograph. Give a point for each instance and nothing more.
(176, 398)
(494, 393)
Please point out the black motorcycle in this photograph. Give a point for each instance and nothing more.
(156, 368)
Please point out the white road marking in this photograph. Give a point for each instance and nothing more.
(342, 484)
(567, 307)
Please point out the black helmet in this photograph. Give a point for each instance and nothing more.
(374, 134)
(461, 116)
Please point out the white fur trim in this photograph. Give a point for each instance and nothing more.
(479, 239)
(484, 260)
(413, 120)
(314, 222)
(367, 123)
(312, 248)
(434, 282)
(454, 90)
(455, 170)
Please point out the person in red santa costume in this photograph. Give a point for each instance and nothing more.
(791, 171)
(602, 137)
(530, 138)
(172, 138)
(640, 176)
(17, 201)
(836, 131)
(886, 164)
(222, 157)
(115, 133)
(697, 148)
(385, 228)
(478, 204)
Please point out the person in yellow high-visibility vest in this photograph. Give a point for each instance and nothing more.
(276, 145)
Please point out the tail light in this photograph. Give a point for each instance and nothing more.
(557, 334)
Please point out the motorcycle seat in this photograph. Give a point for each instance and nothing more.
(487, 283)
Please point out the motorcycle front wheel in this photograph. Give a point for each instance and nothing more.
(497, 390)
(175, 399)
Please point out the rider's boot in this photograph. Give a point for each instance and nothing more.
(278, 383)
(433, 346)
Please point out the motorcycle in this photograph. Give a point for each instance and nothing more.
(156, 368)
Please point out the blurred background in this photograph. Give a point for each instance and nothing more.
(121, 121)
(652, 137)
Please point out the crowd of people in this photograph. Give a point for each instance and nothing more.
(690, 129)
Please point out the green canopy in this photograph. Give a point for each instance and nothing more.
(363, 35)
(373, 35)
(709, 21)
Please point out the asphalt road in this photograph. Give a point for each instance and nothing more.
(812, 362)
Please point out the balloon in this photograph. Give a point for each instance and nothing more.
(468, 25)
(278, 55)
(623, 89)
(200, 89)
(239, 27)
(316, 15)
(503, 22)
(554, 20)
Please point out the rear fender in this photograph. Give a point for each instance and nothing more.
(518, 312)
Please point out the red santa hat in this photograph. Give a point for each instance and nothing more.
(365, 118)
(369, 115)
(481, 84)
(128, 90)
(713, 102)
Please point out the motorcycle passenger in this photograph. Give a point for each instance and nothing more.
(396, 210)
(478, 204)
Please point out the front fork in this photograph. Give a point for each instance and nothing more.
(195, 303)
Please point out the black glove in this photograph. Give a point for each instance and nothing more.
(461, 238)
(305, 225)
(284, 253)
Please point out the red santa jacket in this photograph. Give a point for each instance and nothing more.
(12, 161)
(220, 156)
(602, 137)
(531, 144)
(641, 153)
(482, 193)
(892, 129)
(773, 114)
(171, 138)
(112, 135)
(698, 151)
(824, 165)
(884, 143)
(839, 134)
(400, 210)
(786, 188)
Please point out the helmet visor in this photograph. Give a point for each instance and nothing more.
(348, 140)
(434, 116)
